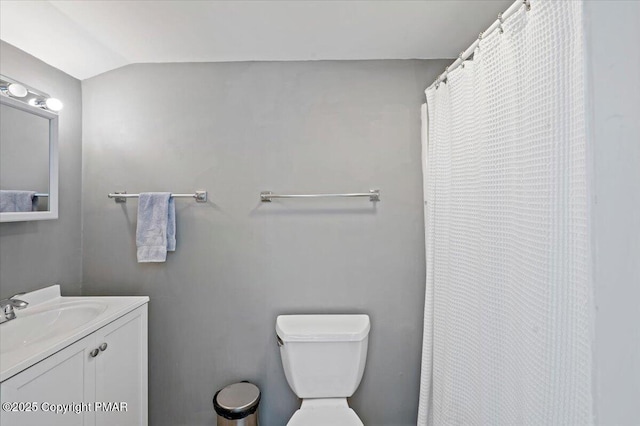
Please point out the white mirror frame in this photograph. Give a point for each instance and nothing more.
(52, 213)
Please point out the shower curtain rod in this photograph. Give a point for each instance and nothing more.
(497, 24)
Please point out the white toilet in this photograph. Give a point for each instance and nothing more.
(323, 358)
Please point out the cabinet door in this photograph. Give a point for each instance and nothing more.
(121, 371)
(66, 377)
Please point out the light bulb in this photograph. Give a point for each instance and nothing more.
(54, 104)
(17, 90)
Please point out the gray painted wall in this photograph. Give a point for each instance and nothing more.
(613, 31)
(236, 129)
(37, 254)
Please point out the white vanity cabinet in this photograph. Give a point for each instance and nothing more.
(121, 369)
(102, 376)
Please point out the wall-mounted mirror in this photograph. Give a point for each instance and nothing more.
(28, 153)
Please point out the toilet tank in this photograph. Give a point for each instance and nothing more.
(323, 355)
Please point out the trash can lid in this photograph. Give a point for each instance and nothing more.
(237, 401)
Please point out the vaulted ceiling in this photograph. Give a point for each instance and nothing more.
(86, 38)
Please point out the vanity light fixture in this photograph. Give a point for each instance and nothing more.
(52, 104)
(14, 89)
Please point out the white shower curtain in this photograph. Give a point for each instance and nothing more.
(507, 332)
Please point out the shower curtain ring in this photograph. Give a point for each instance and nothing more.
(500, 25)
(527, 3)
(461, 60)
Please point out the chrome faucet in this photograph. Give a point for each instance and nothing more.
(8, 307)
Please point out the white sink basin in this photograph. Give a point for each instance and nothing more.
(47, 323)
(51, 322)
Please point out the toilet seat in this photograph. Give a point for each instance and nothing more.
(325, 416)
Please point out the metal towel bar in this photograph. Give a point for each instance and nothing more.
(373, 195)
(121, 197)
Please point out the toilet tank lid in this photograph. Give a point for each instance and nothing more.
(322, 328)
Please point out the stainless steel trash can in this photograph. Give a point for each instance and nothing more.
(237, 405)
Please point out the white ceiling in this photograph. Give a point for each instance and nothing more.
(86, 38)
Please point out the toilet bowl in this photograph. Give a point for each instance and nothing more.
(323, 357)
(325, 412)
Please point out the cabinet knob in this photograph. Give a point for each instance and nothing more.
(94, 353)
(103, 347)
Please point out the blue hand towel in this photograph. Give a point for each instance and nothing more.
(18, 201)
(171, 225)
(156, 229)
